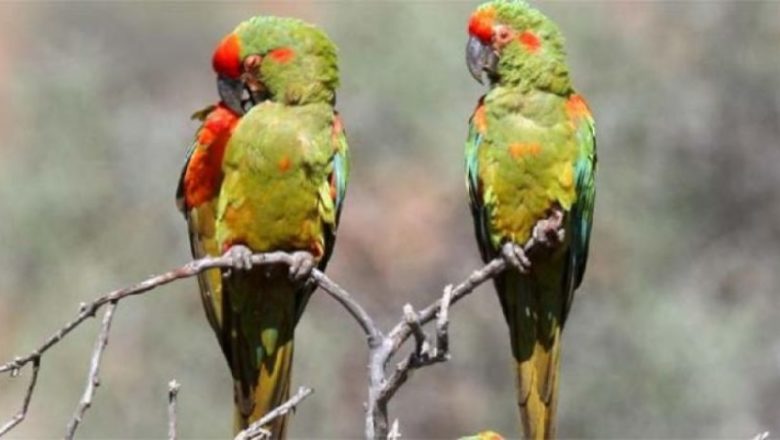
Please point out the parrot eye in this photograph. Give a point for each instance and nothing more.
(502, 35)
(252, 63)
(254, 91)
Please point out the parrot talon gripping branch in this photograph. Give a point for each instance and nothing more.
(381, 347)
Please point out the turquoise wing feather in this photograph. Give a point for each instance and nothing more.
(479, 210)
(581, 217)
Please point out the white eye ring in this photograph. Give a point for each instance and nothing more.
(502, 34)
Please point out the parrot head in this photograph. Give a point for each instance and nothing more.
(512, 44)
(279, 59)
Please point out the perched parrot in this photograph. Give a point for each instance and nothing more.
(530, 158)
(267, 172)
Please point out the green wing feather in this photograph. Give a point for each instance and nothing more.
(479, 210)
(332, 204)
(581, 216)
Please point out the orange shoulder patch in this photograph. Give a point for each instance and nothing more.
(337, 130)
(204, 169)
(576, 107)
(480, 118)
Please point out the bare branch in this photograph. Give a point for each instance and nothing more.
(173, 393)
(357, 311)
(15, 420)
(395, 431)
(381, 388)
(256, 431)
(410, 317)
(93, 381)
(443, 323)
(381, 347)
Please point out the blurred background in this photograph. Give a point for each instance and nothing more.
(674, 332)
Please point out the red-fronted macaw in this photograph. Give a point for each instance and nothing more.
(530, 157)
(267, 172)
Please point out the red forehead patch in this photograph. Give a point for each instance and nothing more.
(481, 24)
(530, 41)
(227, 57)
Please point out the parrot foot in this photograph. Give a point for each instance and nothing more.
(515, 255)
(549, 231)
(301, 266)
(240, 256)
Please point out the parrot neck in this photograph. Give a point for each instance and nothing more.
(546, 72)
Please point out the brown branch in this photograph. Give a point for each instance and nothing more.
(93, 381)
(173, 393)
(87, 310)
(15, 420)
(381, 347)
(371, 330)
(547, 232)
(256, 431)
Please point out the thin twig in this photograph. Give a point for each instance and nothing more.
(443, 323)
(87, 310)
(410, 317)
(381, 347)
(173, 394)
(381, 388)
(93, 381)
(357, 311)
(15, 420)
(256, 430)
(395, 431)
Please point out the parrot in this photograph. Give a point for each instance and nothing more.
(267, 171)
(530, 162)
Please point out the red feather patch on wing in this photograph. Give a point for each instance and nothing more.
(204, 169)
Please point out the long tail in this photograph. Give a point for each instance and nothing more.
(533, 309)
(260, 312)
(272, 389)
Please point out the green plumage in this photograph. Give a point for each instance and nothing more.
(304, 79)
(281, 184)
(531, 149)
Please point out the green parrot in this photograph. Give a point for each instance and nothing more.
(267, 172)
(530, 164)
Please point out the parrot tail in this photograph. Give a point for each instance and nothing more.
(263, 305)
(273, 389)
(533, 312)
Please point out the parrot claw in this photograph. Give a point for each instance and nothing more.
(301, 266)
(240, 256)
(549, 231)
(515, 255)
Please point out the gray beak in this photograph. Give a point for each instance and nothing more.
(231, 92)
(480, 58)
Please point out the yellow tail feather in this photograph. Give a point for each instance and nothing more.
(273, 389)
(537, 390)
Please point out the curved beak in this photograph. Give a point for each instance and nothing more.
(231, 92)
(480, 58)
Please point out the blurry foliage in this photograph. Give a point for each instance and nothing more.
(674, 333)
